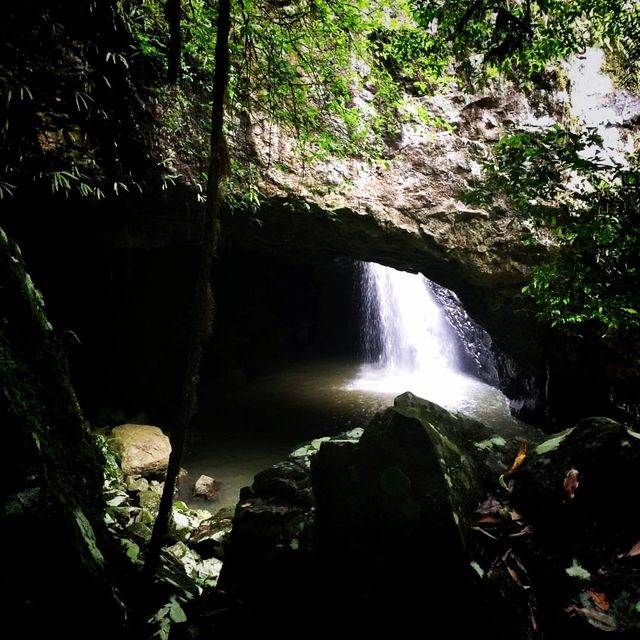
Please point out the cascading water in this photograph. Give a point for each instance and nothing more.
(405, 329)
(409, 345)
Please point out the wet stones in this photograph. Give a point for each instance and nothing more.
(206, 487)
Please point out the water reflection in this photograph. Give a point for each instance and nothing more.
(260, 424)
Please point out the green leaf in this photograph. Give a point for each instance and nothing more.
(577, 571)
(176, 612)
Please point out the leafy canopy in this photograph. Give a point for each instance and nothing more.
(520, 38)
(560, 179)
(301, 65)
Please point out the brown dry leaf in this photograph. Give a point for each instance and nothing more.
(490, 520)
(571, 482)
(522, 454)
(599, 599)
(520, 577)
(599, 620)
(520, 566)
(635, 550)
(515, 515)
(515, 578)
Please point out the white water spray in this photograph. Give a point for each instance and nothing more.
(405, 329)
(409, 344)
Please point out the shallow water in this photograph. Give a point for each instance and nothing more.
(260, 424)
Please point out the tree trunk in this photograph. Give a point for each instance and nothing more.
(173, 12)
(218, 167)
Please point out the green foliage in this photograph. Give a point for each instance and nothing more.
(149, 27)
(297, 65)
(521, 38)
(300, 69)
(112, 472)
(74, 181)
(88, 535)
(6, 189)
(559, 179)
(162, 621)
(61, 113)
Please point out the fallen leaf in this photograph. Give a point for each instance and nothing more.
(520, 566)
(515, 515)
(515, 578)
(635, 550)
(490, 505)
(533, 608)
(477, 568)
(508, 486)
(490, 520)
(527, 531)
(599, 599)
(522, 454)
(571, 482)
(577, 571)
(599, 620)
(516, 569)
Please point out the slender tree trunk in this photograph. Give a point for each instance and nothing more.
(218, 168)
(173, 12)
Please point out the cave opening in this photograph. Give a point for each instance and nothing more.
(289, 361)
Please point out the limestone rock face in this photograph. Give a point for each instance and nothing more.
(408, 211)
(144, 449)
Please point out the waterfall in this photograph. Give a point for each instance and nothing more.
(408, 343)
(404, 328)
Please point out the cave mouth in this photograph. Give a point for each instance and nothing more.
(287, 360)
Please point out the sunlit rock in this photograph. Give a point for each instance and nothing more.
(144, 449)
(206, 487)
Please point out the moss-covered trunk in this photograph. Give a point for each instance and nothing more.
(203, 299)
(57, 558)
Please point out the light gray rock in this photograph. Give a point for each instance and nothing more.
(144, 449)
(206, 487)
(136, 483)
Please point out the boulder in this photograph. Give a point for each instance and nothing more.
(144, 450)
(149, 501)
(431, 518)
(135, 484)
(395, 515)
(211, 536)
(264, 555)
(206, 487)
(351, 524)
(580, 491)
